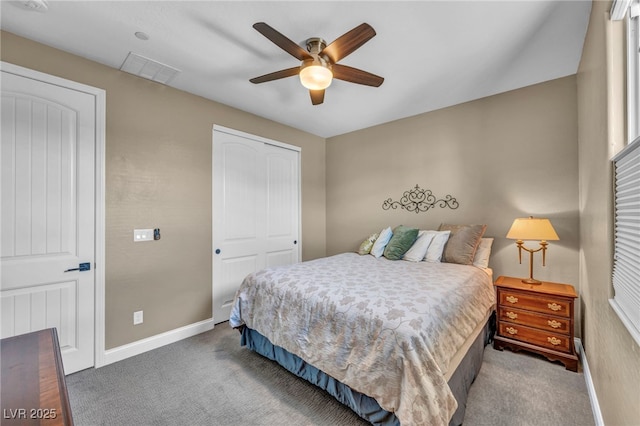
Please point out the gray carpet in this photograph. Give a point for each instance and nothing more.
(210, 380)
(522, 389)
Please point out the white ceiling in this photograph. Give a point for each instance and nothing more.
(432, 54)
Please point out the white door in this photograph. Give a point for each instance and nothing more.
(256, 211)
(48, 214)
(282, 212)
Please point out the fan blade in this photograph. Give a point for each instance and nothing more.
(348, 42)
(317, 96)
(281, 41)
(276, 75)
(354, 75)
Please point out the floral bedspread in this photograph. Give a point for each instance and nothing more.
(387, 329)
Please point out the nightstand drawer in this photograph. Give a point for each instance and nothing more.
(553, 341)
(532, 319)
(545, 304)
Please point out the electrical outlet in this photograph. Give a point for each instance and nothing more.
(140, 235)
(137, 317)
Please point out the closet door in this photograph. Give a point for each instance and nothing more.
(282, 213)
(256, 211)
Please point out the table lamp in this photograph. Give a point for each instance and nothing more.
(531, 228)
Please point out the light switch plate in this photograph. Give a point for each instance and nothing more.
(138, 317)
(140, 235)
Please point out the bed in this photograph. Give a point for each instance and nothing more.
(398, 342)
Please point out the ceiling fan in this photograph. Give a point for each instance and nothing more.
(319, 62)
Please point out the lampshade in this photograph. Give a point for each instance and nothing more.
(531, 228)
(316, 77)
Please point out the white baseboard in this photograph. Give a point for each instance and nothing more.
(595, 406)
(141, 346)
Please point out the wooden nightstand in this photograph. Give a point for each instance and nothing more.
(536, 318)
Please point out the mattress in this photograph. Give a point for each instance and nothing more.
(391, 330)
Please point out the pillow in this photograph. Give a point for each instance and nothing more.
(418, 250)
(434, 252)
(381, 242)
(463, 242)
(401, 241)
(481, 258)
(365, 247)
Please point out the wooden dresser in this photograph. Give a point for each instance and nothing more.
(536, 318)
(33, 391)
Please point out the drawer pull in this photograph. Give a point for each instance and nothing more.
(512, 315)
(554, 306)
(511, 330)
(511, 299)
(554, 323)
(554, 341)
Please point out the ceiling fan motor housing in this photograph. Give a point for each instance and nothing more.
(315, 45)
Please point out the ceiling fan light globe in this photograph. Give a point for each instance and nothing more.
(316, 77)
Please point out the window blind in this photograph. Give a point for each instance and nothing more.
(626, 262)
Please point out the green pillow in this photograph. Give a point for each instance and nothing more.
(367, 245)
(402, 240)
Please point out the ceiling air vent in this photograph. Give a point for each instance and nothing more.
(148, 68)
(32, 5)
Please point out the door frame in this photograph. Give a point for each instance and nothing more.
(99, 195)
(218, 128)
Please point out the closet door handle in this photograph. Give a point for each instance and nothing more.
(217, 251)
(295, 241)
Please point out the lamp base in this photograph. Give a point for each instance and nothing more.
(531, 281)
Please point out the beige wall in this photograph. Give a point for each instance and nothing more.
(613, 355)
(502, 157)
(158, 174)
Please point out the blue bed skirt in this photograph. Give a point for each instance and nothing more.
(363, 405)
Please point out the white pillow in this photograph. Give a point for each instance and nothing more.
(434, 252)
(381, 242)
(418, 250)
(481, 258)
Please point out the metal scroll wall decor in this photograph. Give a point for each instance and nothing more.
(420, 200)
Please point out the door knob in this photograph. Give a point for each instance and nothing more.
(295, 241)
(217, 251)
